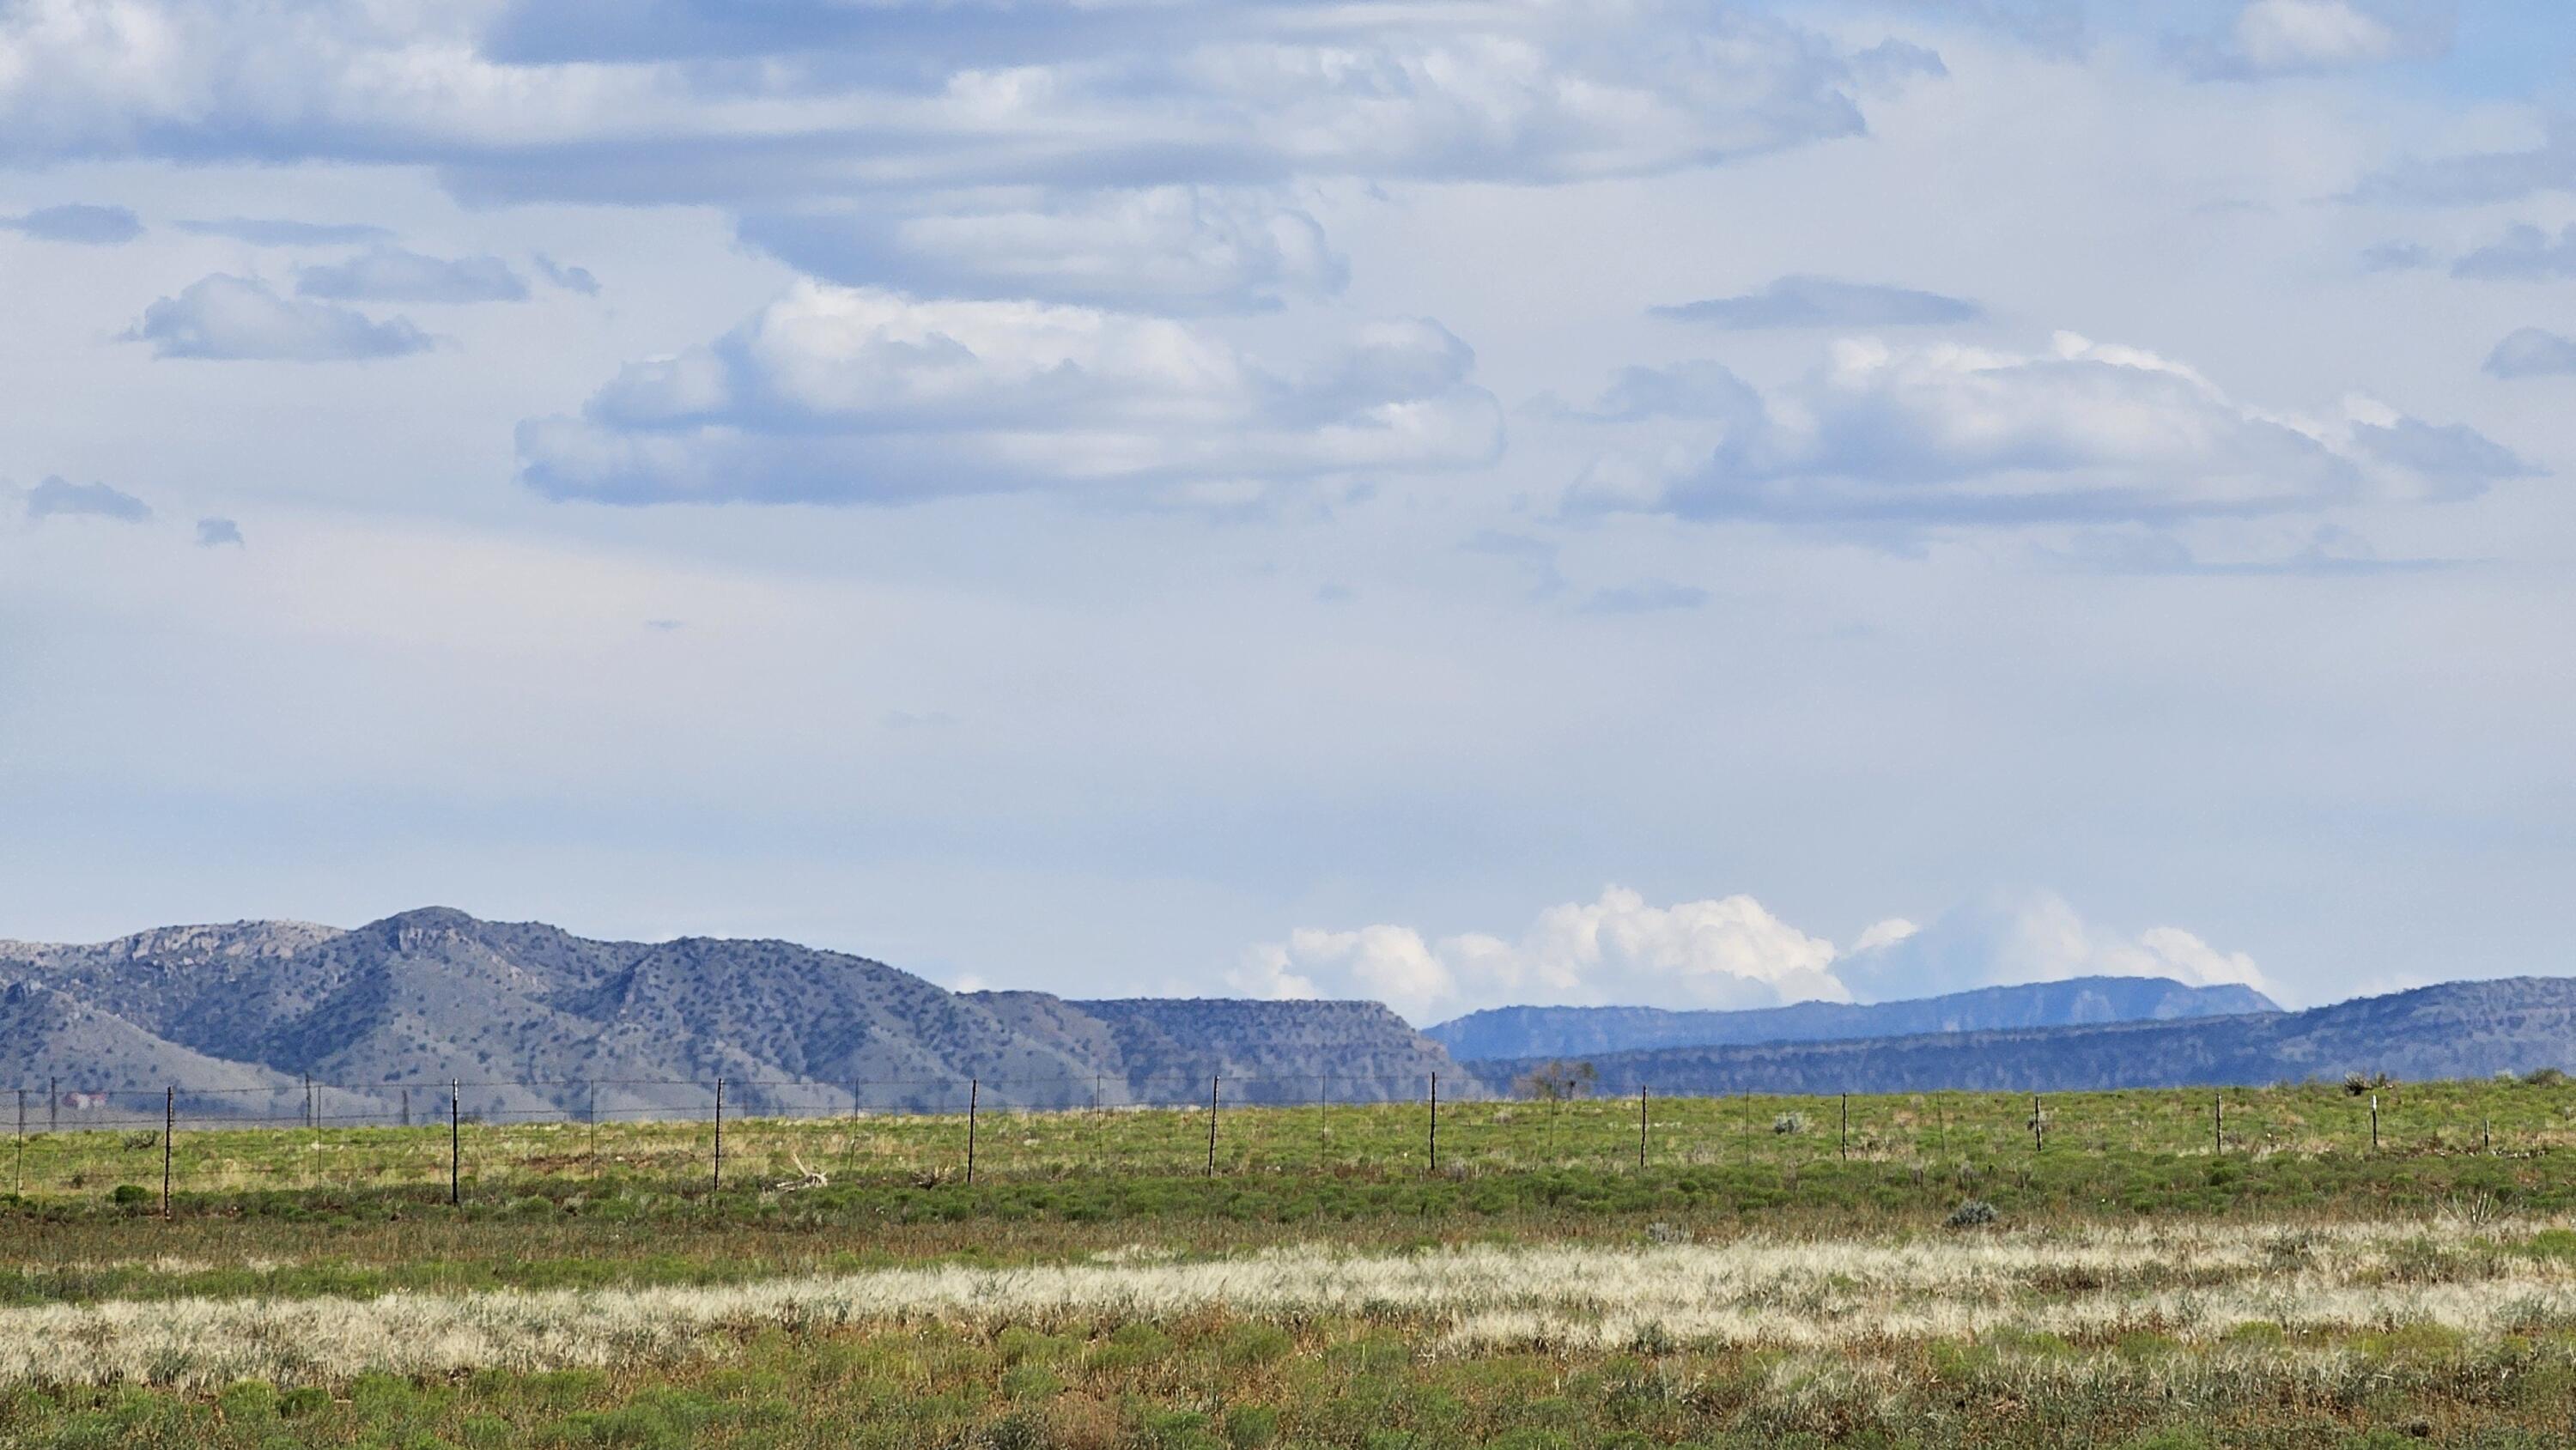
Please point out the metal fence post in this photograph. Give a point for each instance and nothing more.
(1845, 1146)
(18, 1170)
(1641, 1125)
(2038, 1126)
(1211, 1166)
(719, 1133)
(169, 1130)
(308, 1100)
(1435, 1122)
(2218, 1122)
(53, 1106)
(455, 1143)
(974, 1089)
(2374, 1123)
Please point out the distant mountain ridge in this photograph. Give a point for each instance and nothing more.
(536, 1021)
(2455, 1030)
(1516, 1032)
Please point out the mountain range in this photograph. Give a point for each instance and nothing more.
(539, 1022)
(260, 1019)
(1519, 1032)
(2455, 1030)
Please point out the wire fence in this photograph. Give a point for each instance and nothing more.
(452, 1137)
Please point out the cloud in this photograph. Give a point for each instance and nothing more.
(1168, 249)
(59, 498)
(2011, 937)
(571, 279)
(216, 533)
(855, 395)
(2271, 38)
(282, 232)
(2455, 459)
(1721, 953)
(2053, 27)
(2480, 178)
(1725, 953)
(2328, 552)
(621, 102)
(390, 274)
(2086, 432)
(1698, 390)
(240, 318)
(1652, 596)
(2532, 353)
(2523, 254)
(2396, 257)
(1825, 302)
(78, 222)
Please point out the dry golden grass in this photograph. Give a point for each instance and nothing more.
(2188, 1283)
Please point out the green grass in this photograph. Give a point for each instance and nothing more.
(283, 1214)
(1217, 1383)
(1988, 1131)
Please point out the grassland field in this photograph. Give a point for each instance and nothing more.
(2137, 1272)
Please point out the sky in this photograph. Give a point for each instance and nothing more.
(1458, 502)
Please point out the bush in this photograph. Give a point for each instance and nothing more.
(1789, 1123)
(129, 1193)
(1975, 1213)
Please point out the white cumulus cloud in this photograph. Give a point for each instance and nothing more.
(1727, 952)
(1180, 249)
(2086, 431)
(242, 319)
(2271, 38)
(850, 395)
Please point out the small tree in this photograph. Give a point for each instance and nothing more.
(1555, 1082)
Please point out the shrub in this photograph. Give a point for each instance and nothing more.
(1975, 1213)
(1789, 1123)
(129, 1193)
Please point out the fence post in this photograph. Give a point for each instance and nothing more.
(2038, 1126)
(2486, 1139)
(1323, 1124)
(719, 1133)
(590, 1114)
(2374, 1124)
(406, 1107)
(53, 1106)
(1641, 1125)
(18, 1170)
(308, 1100)
(974, 1089)
(169, 1129)
(1435, 1122)
(455, 1143)
(1211, 1166)
(1846, 1129)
